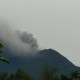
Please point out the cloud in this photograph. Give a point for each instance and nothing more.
(19, 43)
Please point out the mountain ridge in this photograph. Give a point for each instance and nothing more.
(34, 64)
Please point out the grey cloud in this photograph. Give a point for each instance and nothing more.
(28, 39)
(19, 43)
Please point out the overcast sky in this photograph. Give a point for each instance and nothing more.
(55, 23)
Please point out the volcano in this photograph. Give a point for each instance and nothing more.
(35, 64)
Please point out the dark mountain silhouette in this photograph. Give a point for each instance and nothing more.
(34, 64)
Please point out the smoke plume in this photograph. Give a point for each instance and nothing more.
(20, 43)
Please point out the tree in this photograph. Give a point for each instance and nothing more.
(2, 59)
(63, 77)
(22, 75)
(12, 77)
(48, 73)
(3, 76)
(75, 75)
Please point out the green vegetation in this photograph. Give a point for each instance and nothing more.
(47, 74)
(19, 75)
(2, 59)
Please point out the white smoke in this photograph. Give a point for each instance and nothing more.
(20, 43)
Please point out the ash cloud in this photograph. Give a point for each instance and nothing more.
(19, 43)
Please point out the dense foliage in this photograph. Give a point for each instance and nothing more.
(47, 74)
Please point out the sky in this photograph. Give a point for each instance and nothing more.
(54, 23)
